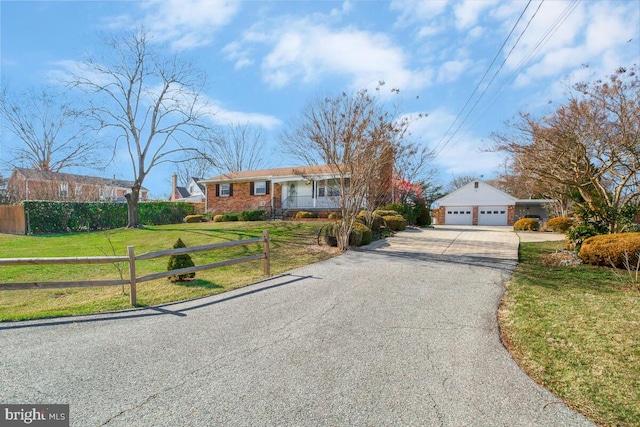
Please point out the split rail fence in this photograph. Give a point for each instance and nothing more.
(131, 258)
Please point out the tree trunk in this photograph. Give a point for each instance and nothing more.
(132, 207)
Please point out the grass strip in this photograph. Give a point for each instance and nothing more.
(576, 331)
(293, 244)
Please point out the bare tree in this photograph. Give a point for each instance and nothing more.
(237, 147)
(193, 167)
(51, 133)
(152, 101)
(412, 169)
(587, 147)
(357, 137)
(460, 181)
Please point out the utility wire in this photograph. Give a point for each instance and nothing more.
(496, 72)
(525, 61)
(436, 148)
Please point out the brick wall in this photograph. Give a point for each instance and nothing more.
(241, 200)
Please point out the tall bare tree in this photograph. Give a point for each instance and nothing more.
(51, 133)
(589, 146)
(151, 101)
(237, 147)
(357, 137)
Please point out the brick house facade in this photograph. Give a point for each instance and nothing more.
(32, 184)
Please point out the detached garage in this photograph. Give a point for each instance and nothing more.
(477, 203)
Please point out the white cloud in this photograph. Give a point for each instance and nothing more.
(308, 51)
(417, 10)
(468, 12)
(451, 71)
(188, 24)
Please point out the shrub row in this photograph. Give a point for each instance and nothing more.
(560, 224)
(64, 217)
(251, 215)
(526, 224)
(620, 249)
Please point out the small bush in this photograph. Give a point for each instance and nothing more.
(177, 262)
(229, 217)
(366, 235)
(334, 216)
(394, 208)
(612, 250)
(255, 215)
(580, 232)
(385, 212)
(305, 214)
(218, 218)
(527, 224)
(376, 220)
(395, 222)
(424, 217)
(194, 218)
(560, 224)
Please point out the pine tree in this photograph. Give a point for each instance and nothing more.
(180, 261)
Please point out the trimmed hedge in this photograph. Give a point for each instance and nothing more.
(255, 215)
(526, 224)
(376, 220)
(194, 218)
(67, 217)
(395, 222)
(366, 235)
(560, 224)
(305, 214)
(611, 249)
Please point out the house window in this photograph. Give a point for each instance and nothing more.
(328, 188)
(64, 190)
(225, 190)
(260, 188)
(78, 190)
(102, 194)
(475, 184)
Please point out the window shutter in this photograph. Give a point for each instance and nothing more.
(217, 190)
(251, 188)
(313, 189)
(268, 187)
(231, 189)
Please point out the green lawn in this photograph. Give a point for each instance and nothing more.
(576, 331)
(292, 245)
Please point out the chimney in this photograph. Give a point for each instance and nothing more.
(174, 187)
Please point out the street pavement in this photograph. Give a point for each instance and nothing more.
(400, 333)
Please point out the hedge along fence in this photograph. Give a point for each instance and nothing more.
(131, 258)
(65, 217)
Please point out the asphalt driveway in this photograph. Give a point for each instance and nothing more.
(401, 333)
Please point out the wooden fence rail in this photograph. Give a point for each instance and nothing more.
(131, 258)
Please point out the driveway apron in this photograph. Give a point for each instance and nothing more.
(401, 333)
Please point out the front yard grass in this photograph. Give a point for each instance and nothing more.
(576, 331)
(293, 244)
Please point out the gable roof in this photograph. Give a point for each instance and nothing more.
(469, 195)
(39, 175)
(298, 172)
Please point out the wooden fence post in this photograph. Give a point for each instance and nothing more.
(132, 275)
(267, 254)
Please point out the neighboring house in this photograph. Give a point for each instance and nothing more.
(479, 203)
(32, 184)
(195, 191)
(274, 190)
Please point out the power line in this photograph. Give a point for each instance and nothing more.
(436, 148)
(497, 71)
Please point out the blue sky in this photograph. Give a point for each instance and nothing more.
(266, 59)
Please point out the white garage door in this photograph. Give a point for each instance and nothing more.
(459, 216)
(492, 215)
